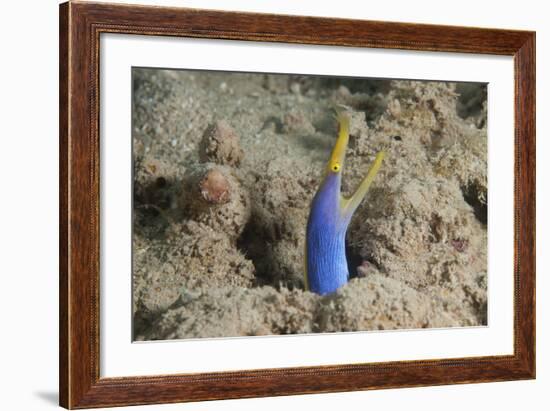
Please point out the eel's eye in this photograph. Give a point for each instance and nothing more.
(336, 167)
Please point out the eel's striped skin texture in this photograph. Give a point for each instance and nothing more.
(329, 217)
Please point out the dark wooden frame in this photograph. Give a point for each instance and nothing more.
(80, 27)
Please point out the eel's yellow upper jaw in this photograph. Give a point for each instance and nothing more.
(336, 162)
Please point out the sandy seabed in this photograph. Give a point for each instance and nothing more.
(225, 167)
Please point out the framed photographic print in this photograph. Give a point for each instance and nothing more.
(256, 205)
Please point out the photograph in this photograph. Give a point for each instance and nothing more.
(276, 204)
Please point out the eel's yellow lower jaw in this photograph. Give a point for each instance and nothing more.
(350, 205)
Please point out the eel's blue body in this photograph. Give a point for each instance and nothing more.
(329, 217)
(327, 267)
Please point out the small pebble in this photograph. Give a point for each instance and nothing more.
(295, 88)
(220, 144)
(214, 187)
